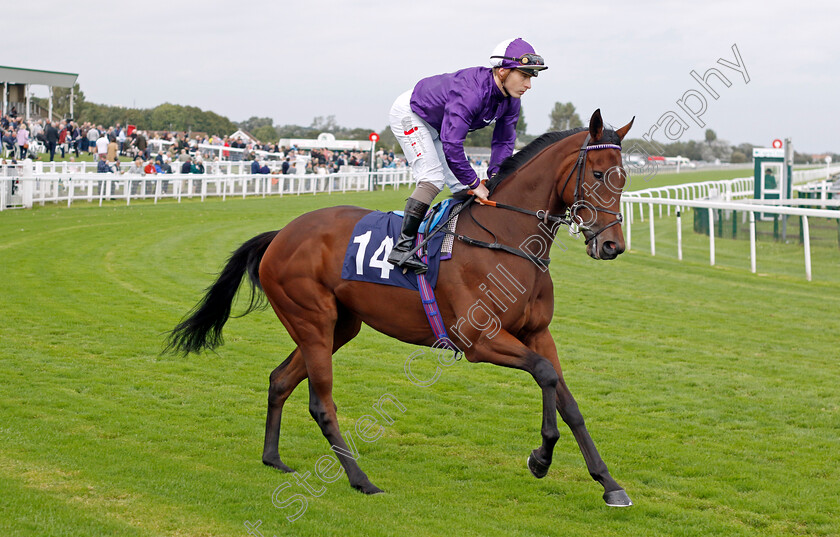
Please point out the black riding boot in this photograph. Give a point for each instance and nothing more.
(414, 213)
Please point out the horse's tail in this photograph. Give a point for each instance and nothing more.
(202, 329)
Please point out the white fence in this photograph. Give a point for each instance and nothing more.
(24, 191)
(731, 195)
(224, 167)
(751, 209)
(728, 189)
(734, 189)
(807, 176)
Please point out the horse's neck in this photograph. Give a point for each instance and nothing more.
(534, 185)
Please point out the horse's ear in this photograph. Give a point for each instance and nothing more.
(596, 125)
(622, 132)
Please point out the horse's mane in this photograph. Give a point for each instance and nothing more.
(515, 161)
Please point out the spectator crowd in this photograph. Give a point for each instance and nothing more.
(168, 152)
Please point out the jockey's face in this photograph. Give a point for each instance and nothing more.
(516, 83)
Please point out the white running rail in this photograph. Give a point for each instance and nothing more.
(25, 190)
(630, 199)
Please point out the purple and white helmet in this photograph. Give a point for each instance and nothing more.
(517, 54)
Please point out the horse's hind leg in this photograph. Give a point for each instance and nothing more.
(321, 405)
(282, 382)
(286, 377)
(322, 408)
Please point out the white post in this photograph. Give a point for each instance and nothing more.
(27, 101)
(49, 113)
(711, 237)
(752, 242)
(5, 98)
(629, 220)
(72, 98)
(26, 186)
(652, 238)
(679, 234)
(806, 232)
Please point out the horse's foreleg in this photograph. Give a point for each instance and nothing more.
(322, 408)
(505, 350)
(282, 382)
(614, 495)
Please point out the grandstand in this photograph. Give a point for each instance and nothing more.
(16, 89)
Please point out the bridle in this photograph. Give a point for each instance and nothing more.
(579, 203)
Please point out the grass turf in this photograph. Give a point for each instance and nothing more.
(711, 393)
(667, 178)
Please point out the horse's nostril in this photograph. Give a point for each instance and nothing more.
(610, 247)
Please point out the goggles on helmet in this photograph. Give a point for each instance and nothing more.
(526, 60)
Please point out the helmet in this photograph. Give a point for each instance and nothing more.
(517, 54)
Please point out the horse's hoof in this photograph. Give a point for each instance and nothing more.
(536, 467)
(278, 464)
(617, 498)
(368, 488)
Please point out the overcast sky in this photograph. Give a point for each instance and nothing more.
(292, 61)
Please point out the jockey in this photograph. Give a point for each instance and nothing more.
(432, 120)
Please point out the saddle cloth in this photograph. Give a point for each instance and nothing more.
(366, 257)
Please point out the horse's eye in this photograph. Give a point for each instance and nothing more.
(598, 175)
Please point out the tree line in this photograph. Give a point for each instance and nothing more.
(174, 117)
(164, 117)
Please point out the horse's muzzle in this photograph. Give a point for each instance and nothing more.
(605, 250)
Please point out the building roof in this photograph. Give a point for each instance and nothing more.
(244, 135)
(17, 75)
(326, 140)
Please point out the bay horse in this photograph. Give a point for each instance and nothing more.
(577, 173)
